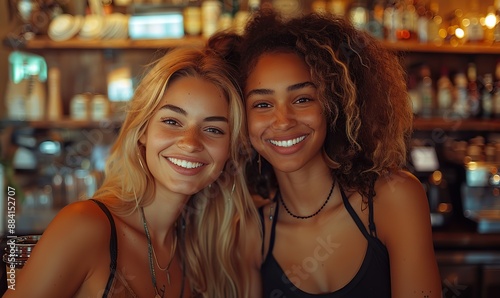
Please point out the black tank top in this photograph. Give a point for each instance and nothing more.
(372, 280)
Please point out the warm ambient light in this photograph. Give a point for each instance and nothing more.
(490, 21)
(459, 32)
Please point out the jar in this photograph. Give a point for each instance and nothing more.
(99, 107)
(210, 13)
(192, 18)
(79, 107)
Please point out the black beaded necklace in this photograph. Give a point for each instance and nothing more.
(315, 213)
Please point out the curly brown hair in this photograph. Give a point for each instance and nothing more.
(361, 85)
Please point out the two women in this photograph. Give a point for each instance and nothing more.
(329, 117)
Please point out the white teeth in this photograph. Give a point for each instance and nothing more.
(287, 143)
(184, 163)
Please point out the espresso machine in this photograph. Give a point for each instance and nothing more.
(26, 91)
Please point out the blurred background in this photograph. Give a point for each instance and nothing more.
(68, 68)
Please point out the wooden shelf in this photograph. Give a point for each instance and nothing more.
(45, 43)
(471, 48)
(420, 124)
(62, 124)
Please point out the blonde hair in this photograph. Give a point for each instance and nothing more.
(214, 220)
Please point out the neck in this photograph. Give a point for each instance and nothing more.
(305, 191)
(162, 214)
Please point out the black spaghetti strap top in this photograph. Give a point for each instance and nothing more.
(372, 280)
(113, 248)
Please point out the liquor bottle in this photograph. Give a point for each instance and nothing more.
(414, 95)
(473, 28)
(54, 105)
(318, 6)
(496, 92)
(192, 18)
(490, 22)
(426, 92)
(358, 14)
(444, 93)
(461, 106)
(211, 10)
(434, 24)
(392, 20)
(424, 17)
(243, 15)
(487, 96)
(375, 25)
(409, 19)
(336, 7)
(496, 30)
(473, 95)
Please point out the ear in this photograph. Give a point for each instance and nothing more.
(143, 139)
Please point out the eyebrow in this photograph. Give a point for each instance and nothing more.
(288, 89)
(183, 112)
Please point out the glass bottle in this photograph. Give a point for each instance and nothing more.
(496, 93)
(473, 95)
(54, 105)
(471, 23)
(461, 107)
(496, 30)
(426, 92)
(434, 24)
(444, 93)
(337, 7)
(375, 25)
(392, 20)
(487, 96)
(80, 107)
(210, 12)
(192, 18)
(409, 18)
(35, 99)
(358, 14)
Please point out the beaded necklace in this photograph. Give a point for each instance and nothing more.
(308, 216)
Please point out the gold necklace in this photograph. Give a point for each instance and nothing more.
(172, 252)
(151, 253)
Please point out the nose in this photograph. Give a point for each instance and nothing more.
(284, 117)
(190, 141)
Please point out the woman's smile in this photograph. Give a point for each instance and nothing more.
(287, 143)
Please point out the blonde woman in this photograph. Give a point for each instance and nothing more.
(166, 221)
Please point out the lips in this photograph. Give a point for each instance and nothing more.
(287, 143)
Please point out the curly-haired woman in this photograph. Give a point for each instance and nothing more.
(329, 117)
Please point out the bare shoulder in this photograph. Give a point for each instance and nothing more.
(86, 212)
(70, 249)
(81, 224)
(401, 205)
(400, 189)
(403, 224)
